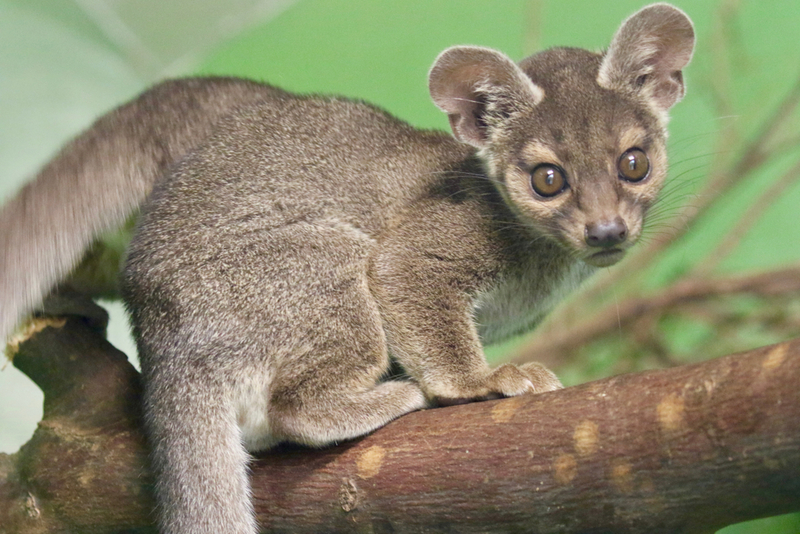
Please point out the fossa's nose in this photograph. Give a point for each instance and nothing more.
(606, 234)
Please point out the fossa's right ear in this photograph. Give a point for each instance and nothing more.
(647, 55)
(479, 88)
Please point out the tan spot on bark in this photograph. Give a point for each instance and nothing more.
(565, 468)
(503, 411)
(775, 357)
(586, 437)
(370, 461)
(622, 476)
(670, 413)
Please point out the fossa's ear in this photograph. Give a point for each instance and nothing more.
(647, 55)
(479, 88)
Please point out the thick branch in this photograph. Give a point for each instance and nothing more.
(688, 449)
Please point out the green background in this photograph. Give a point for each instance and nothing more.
(64, 64)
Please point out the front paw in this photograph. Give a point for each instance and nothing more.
(505, 381)
(542, 378)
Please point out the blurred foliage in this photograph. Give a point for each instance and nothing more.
(68, 61)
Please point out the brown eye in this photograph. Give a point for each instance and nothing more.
(633, 165)
(548, 180)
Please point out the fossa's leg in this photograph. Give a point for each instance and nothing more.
(327, 387)
(276, 340)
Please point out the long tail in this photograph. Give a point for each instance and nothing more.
(100, 179)
(199, 459)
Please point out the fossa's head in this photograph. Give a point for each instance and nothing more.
(574, 139)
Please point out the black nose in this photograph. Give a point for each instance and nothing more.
(606, 234)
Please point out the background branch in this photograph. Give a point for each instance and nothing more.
(754, 212)
(560, 349)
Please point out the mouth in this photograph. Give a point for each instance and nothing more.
(605, 258)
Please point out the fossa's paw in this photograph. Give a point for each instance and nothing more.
(505, 381)
(542, 378)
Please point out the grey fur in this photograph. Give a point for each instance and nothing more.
(95, 184)
(291, 244)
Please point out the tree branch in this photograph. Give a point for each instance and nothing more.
(561, 347)
(688, 449)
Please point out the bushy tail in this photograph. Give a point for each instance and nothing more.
(199, 459)
(100, 179)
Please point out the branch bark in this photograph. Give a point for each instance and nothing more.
(688, 449)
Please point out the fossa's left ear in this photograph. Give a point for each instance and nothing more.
(479, 88)
(647, 55)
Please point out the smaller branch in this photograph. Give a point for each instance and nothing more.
(722, 41)
(746, 222)
(532, 37)
(756, 153)
(648, 336)
(787, 145)
(116, 29)
(226, 27)
(560, 347)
